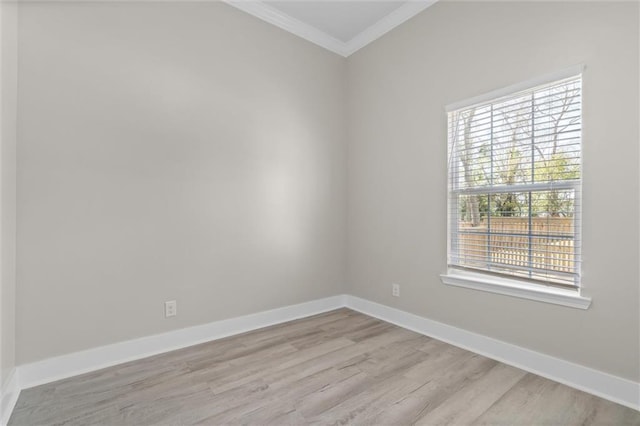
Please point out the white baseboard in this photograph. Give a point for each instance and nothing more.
(76, 363)
(604, 385)
(607, 386)
(9, 392)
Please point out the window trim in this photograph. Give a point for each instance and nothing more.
(516, 288)
(512, 286)
(518, 87)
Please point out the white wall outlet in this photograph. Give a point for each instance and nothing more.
(170, 308)
(395, 290)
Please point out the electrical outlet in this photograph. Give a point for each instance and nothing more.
(395, 290)
(170, 309)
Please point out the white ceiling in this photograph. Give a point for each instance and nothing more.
(342, 26)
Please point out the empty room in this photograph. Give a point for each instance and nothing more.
(319, 212)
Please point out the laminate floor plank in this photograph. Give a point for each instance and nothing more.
(339, 367)
(473, 399)
(360, 406)
(551, 403)
(438, 387)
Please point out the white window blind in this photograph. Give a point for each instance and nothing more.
(515, 182)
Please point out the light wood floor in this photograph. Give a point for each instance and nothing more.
(341, 367)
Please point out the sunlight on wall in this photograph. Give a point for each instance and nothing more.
(284, 229)
(289, 185)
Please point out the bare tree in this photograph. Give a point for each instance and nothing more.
(555, 164)
(509, 169)
(466, 158)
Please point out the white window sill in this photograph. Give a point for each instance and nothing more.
(515, 288)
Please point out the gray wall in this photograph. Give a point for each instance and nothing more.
(181, 151)
(397, 90)
(189, 151)
(8, 105)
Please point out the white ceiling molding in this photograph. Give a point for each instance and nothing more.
(290, 24)
(273, 16)
(386, 24)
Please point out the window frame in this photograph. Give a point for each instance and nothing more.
(505, 284)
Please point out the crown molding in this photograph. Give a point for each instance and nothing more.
(279, 19)
(275, 17)
(270, 14)
(386, 24)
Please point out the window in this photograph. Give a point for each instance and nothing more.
(514, 184)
